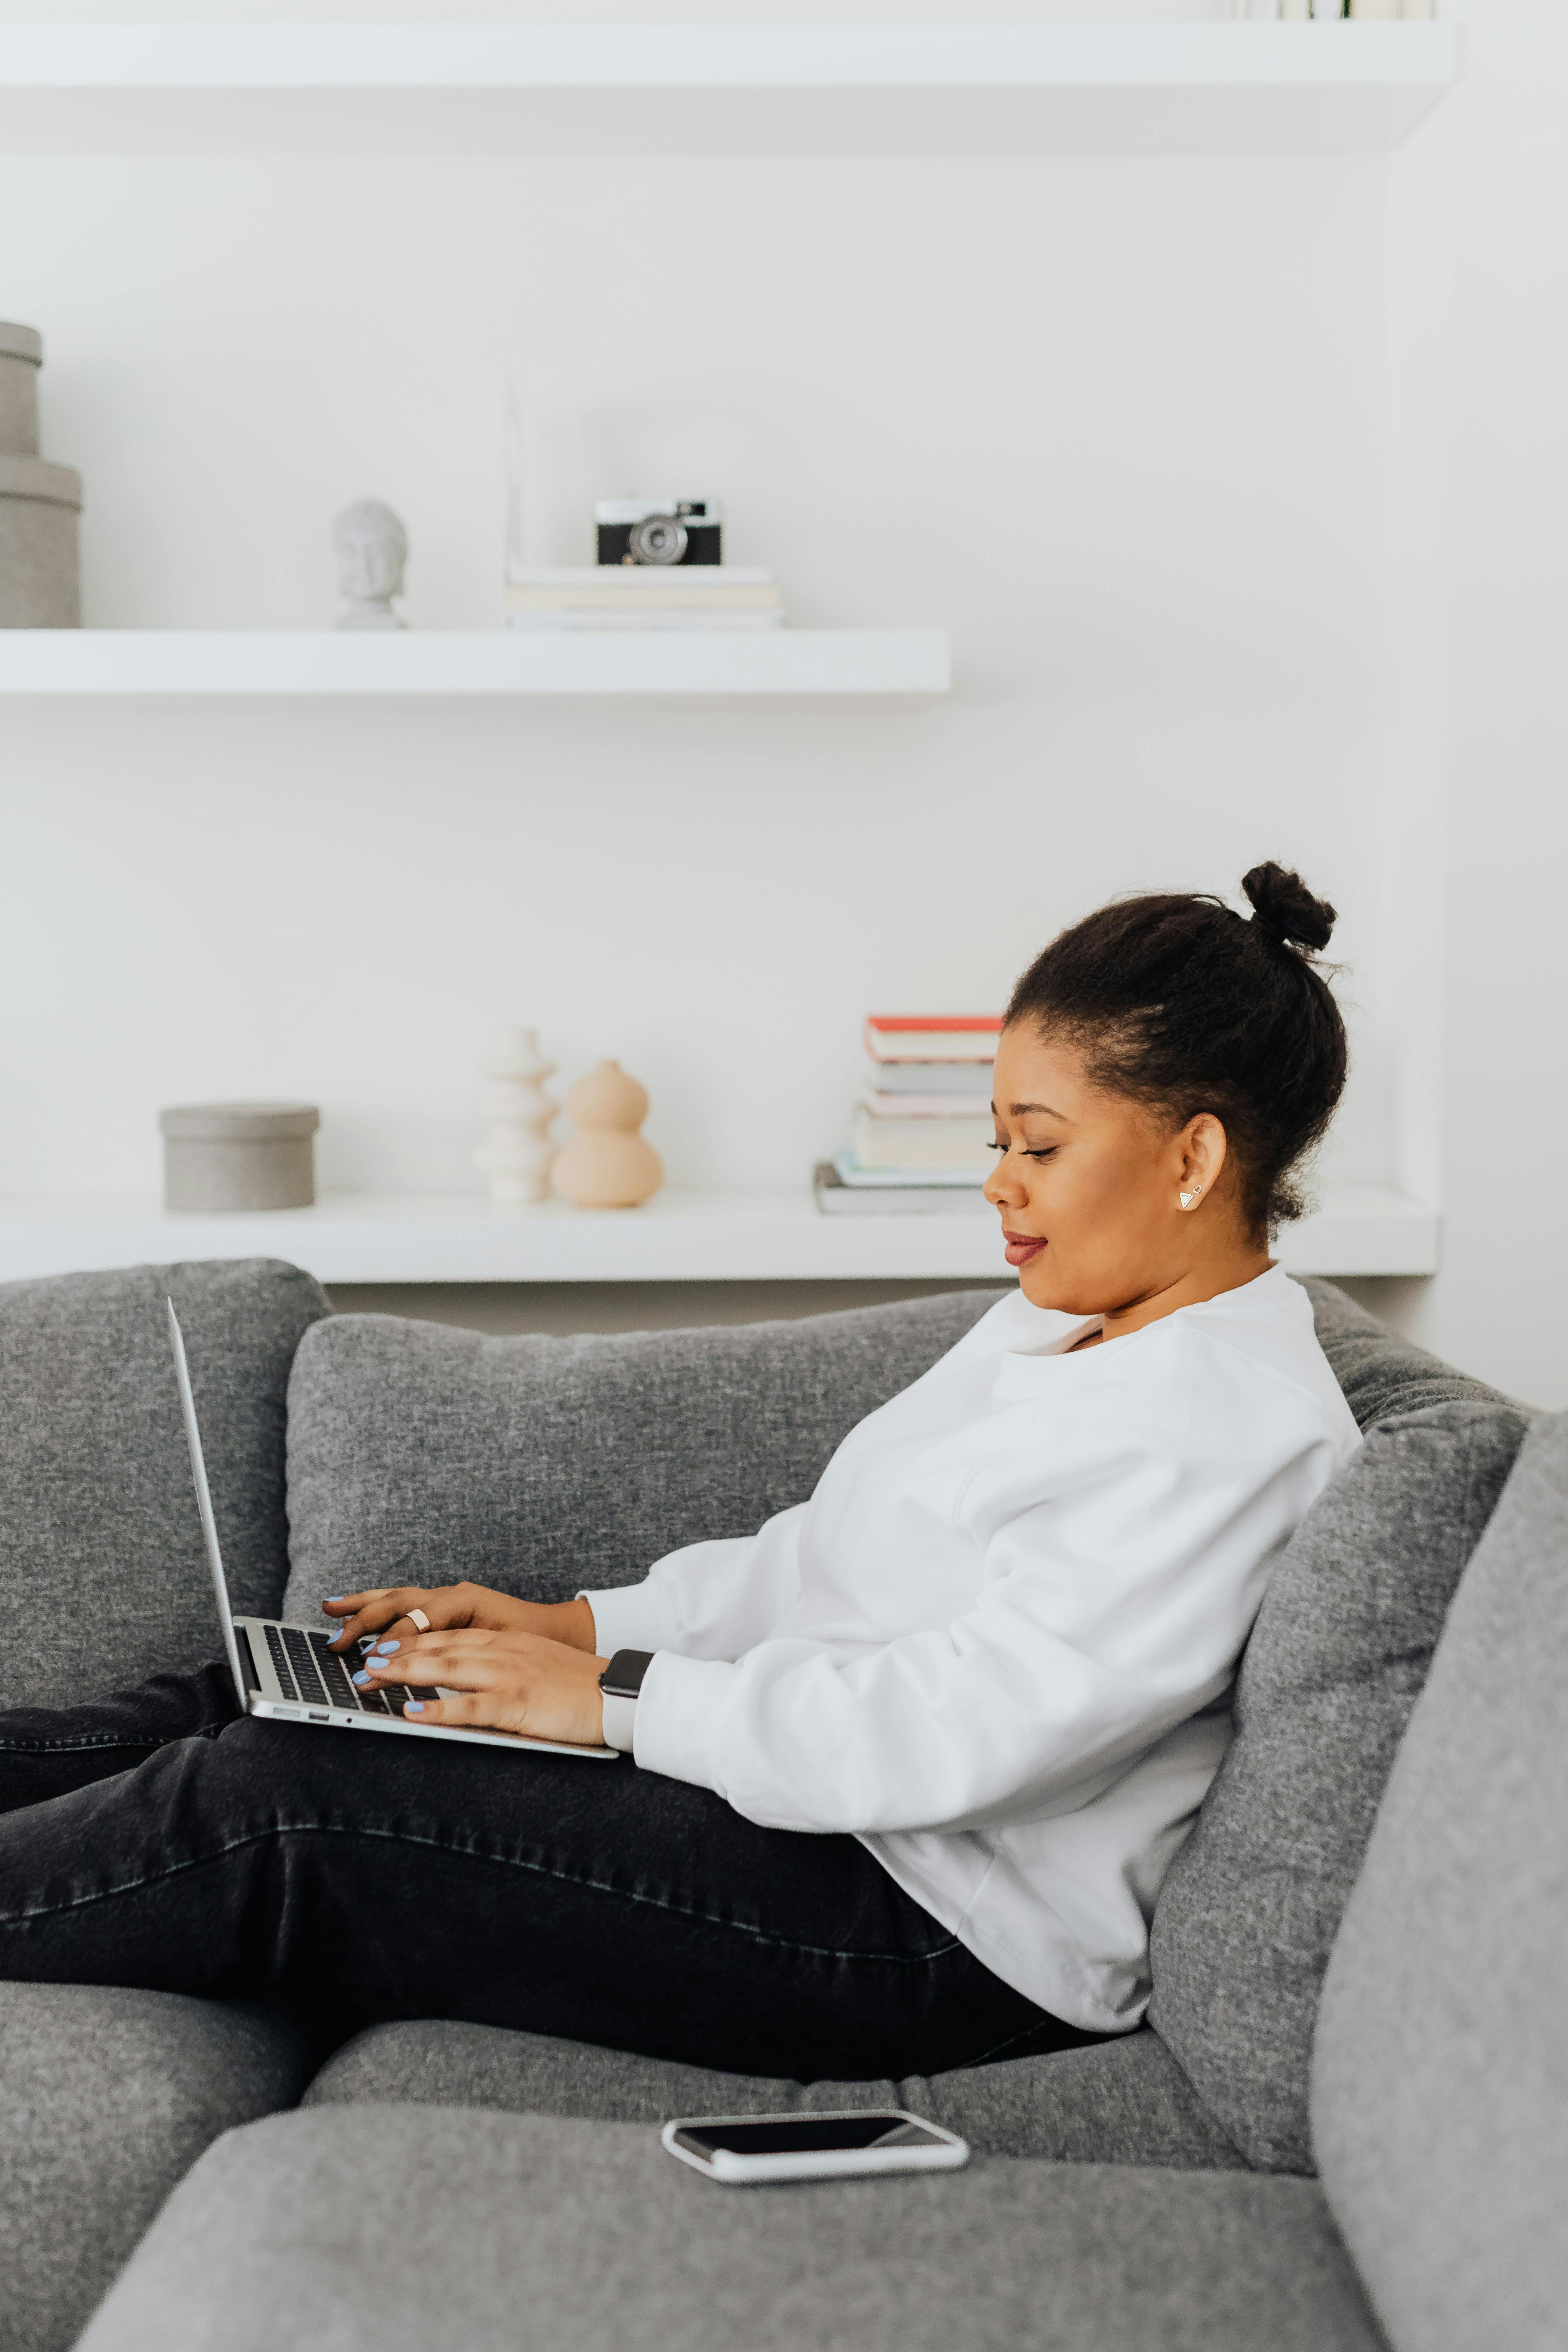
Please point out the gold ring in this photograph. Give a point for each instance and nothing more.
(417, 1617)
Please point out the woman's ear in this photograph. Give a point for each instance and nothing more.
(1202, 1155)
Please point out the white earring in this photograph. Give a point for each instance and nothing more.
(1188, 1198)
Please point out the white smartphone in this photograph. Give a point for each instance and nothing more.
(741, 2148)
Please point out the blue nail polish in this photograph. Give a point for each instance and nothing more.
(413, 1706)
(362, 1678)
(385, 1648)
(334, 1596)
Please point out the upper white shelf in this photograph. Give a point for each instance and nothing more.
(720, 88)
(473, 662)
(676, 1238)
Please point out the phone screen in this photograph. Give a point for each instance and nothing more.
(807, 2135)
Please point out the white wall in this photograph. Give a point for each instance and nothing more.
(656, 12)
(1118, 423)
(1480, 255)
(1163, 440)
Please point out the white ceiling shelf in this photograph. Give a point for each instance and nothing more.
(719, 89)
(676, 1238)
(473, 662)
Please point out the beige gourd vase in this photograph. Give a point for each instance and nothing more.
(606, 1164)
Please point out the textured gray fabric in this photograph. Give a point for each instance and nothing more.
(1440, 2079)
(107, 2098)
(394, 2231)
(422, 1455)
(103, 1579)
(443, 2064)
(1380, 1373)
(418, 1454)
(1337, 1659)
(1123, 2101)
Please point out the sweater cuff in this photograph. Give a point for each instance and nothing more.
(680, 1716)
(631, 1617)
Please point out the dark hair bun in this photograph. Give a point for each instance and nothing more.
(1175, 1000)
(1281, 903)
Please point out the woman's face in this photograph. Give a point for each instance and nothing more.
(1088, 1183)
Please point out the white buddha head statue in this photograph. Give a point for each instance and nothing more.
(372, 548)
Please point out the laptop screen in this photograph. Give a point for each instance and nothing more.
(242, 1680)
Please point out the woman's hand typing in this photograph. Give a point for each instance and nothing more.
(384, 1609)
(506, 1680)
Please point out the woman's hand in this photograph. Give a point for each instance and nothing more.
(508, 1681)
(385, 1609)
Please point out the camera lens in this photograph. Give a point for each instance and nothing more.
(657, 538)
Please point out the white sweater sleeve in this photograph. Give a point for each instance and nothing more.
(1111, 1609)
(708, 1599)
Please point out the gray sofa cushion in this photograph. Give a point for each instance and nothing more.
(103, 1579)
(418, 1454)
(394, 2231)
(422, 1455)
(1341, 1649)
(1380, 1373)
(107, 2098)
(1440, 2079)
(1123, 2101)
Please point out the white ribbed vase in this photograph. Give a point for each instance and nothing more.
(516, 1152)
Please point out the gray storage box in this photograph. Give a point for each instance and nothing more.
(219, 1156)
(40, 571)
(21, 357)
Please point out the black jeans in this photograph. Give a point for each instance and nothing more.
(158, 1839)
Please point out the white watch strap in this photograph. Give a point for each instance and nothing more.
(620, 1715)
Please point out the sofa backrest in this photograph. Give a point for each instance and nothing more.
(1441, 2076)
(420, 1455)
(1251, 1905)
(103, 1579)
(1380, 1373)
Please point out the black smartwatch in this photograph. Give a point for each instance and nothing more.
(620, 1683)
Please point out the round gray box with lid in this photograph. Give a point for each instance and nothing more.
(21, 357)
(222, 1156)
(40, 576)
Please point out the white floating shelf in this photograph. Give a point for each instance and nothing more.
(720, 88)
(473, 662)
(677, 1238)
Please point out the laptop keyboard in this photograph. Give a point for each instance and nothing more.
(307, 1669)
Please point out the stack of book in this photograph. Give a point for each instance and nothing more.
(923, 1129)
(645, 596)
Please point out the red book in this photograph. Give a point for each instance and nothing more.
(932, 1036)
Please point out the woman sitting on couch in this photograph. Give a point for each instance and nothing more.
(915, 1757)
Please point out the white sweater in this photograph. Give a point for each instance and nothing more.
(998, 1642)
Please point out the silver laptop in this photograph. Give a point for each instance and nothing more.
(288, 1672)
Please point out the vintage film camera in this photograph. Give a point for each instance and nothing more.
(659, 531)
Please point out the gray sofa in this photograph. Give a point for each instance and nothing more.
(1346, 2123)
